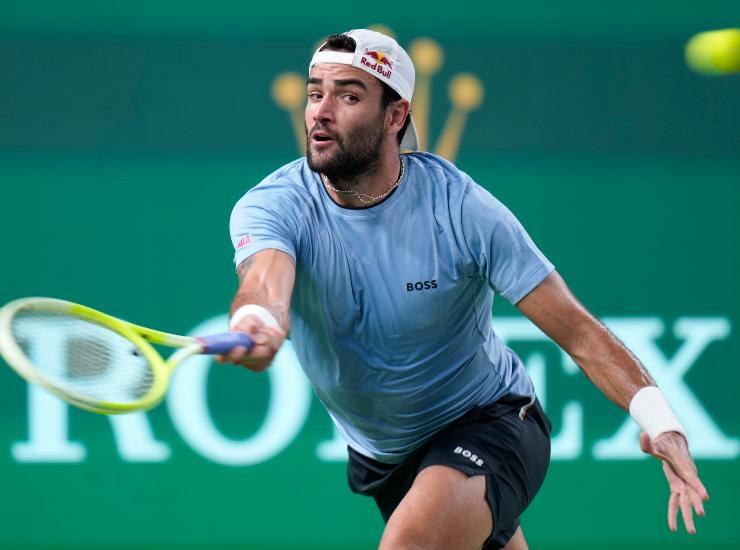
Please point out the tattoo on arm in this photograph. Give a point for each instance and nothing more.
(243, 268)
(252, 295)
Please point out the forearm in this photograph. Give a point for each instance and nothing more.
(602, 357)
(608, 363)
(266, 280)
(616, 372)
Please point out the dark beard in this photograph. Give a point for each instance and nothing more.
(357, 154)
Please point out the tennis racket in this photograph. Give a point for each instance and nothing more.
(93, 360)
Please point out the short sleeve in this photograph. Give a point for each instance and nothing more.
(264, 218)
(502, 250)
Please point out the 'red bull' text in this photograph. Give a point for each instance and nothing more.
(376, 66)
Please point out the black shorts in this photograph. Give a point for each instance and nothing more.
(507, 441)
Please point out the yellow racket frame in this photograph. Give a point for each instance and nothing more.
(141, 337)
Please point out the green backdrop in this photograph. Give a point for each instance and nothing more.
(127, 134)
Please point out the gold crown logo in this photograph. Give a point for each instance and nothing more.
(465, 91)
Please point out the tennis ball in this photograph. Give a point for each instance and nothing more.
(714, 52)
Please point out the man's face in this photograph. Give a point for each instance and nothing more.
(345, 124)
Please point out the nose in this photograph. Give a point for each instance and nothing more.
(323, 110)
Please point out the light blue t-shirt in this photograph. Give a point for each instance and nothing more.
(391, 309)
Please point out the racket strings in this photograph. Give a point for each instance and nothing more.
(81, 357)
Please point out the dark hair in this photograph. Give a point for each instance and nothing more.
(344, 43)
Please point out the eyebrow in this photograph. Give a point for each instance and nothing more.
(340, 83)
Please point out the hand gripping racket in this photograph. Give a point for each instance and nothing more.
(95, 361)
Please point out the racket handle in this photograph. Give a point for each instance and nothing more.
(224, 343)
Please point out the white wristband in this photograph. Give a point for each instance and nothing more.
(252, 309)
(650, 409)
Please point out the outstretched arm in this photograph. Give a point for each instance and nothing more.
(619, 375)
(261, 306)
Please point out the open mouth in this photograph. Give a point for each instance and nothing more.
(321, 137)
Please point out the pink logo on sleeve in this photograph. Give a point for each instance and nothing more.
(244, 241)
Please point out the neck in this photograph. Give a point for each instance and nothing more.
(367, 189)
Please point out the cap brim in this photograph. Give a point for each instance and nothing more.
(411, 137)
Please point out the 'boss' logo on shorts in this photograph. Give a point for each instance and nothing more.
(421, 285)
(467, 454)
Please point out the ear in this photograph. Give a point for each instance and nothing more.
(396, 115)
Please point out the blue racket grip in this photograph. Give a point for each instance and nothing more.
(224, 343)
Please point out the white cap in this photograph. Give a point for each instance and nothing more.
(382, 57)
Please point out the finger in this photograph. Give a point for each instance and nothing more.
(274, 331)
(693, 481)
(236, 355)
(684, 468)
(696, 501)
(673, 448)
(260, 338)
(687, 513)
(672, 512)
(674, 481)
(256, 365)
(687, 472)
(696, 484)
(249, 324)
(276, 344)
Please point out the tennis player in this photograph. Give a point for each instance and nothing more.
(383, 266)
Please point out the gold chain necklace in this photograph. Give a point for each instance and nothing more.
(362, 197)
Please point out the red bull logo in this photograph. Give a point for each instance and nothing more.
(380, 57)
(376, 61)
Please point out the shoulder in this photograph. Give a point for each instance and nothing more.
(281, 199)
(287, 189)
(434, 166)
(442, 177)
(292, 180)
(295, 172)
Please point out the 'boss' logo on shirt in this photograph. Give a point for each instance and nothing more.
(421, 285)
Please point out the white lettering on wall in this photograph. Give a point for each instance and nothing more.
(290, 398)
